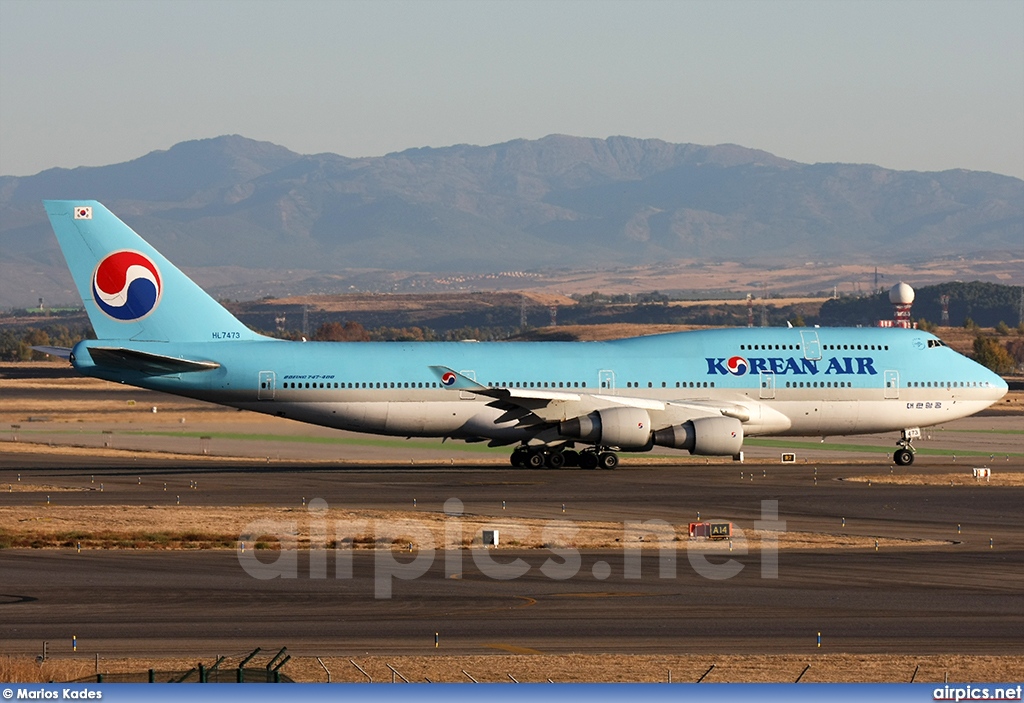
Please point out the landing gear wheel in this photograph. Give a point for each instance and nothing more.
(535, 460)
(555, 460)
(607, 460)
(903, 457)
(518, 458)
(572, 457)
(588, 460)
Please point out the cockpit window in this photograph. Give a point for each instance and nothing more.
(935, 343)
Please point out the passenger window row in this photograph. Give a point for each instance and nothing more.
(767, 347)
(829, 347)
(855, 347)
(368, 384)
(537, 384)
(679, 384)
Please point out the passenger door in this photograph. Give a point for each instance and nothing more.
(265, 391)
(892, 384)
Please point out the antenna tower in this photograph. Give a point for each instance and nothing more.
(944, 299)
(764, 305)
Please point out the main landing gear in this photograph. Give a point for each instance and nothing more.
(538, 458)
(904, 456)
(598, 458)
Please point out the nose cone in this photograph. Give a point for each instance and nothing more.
(994, 385)
(999, 386)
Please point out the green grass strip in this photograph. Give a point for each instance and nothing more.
(456, 445)
(453, 445)
(926, 451)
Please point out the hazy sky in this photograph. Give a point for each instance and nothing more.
(922, 85)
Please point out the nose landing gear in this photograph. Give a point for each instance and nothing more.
(904, 456)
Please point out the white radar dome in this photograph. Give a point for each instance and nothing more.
(901, 294)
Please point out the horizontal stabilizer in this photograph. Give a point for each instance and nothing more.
(146, 362)
(62, 352)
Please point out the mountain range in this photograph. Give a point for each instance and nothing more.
(561, 201)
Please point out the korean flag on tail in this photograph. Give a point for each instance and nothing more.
(83, 213)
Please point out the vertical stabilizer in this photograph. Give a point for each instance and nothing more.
(130, 291)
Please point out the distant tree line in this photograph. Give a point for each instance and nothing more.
(16, 342)
(1002, 358)
(598, 298)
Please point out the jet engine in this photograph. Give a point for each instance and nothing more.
(709, 436)
(626, 428)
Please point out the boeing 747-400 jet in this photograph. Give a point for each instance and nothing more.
(559, 403)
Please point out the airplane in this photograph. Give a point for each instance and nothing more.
(558, 403)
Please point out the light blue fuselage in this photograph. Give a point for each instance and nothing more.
(862, 380)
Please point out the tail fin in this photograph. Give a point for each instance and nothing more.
(130, 291)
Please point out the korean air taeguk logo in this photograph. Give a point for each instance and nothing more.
(737, 365)
(126, 285)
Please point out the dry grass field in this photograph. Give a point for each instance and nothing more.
(370, 302)
(207, 527)
(798, 279)
(962, 478)
(526, 667)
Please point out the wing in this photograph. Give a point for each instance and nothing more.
(546, 409)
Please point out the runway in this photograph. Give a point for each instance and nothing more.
(121, 604)
(962, 596)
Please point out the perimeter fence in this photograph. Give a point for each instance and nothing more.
(245, 671)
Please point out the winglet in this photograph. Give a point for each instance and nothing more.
(453, 380)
